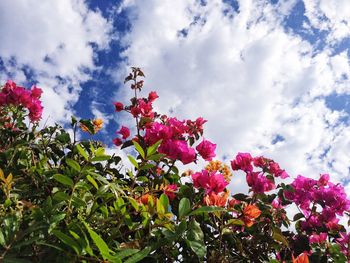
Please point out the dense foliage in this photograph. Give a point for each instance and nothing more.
(65, 200)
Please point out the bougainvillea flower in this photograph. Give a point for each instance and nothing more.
(152, 96)
(178, 150)
(214, 199)
(259, 183)
(157, 132)
(117, 141)
(318, 238)
(98, 124)
(242, 162)
(36, 92)
(170, 191)
(118, 106)
(211, 182)
(302, 258)
(250, 213)
(124, 131)
(324, 179)
(206, 149)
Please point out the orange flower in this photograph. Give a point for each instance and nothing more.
(98, 123)
(143, 199)
(216, 199)
(302, 258)
(219, 167)
(250, 213)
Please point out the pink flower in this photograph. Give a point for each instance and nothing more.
(117, 142)
(315, 238)
(211, 182)
(36, 92)
(118, 106)
(157, 132)
(152, 96)
(242, 162)
(324, 178)
(259, 183)
(276, 171)
(35, 111)
(178, 150)
(177, 127)
(125, 132)
(217, 183)
(206, 149)
(170, 191)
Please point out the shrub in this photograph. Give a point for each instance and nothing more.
(64, 200)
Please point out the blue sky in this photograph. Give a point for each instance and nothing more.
(271, 77)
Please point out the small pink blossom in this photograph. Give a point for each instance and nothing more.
(242, 162)
(36, 92)
(117, 142)
(152, 96)
(315, 238)
(211, 182)
(118, 106)
(206, 149)
(170, 191)
(125, 132)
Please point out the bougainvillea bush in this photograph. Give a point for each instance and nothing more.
(66, 200)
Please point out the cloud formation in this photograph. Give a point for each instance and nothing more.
(53, 43)
(262, 87)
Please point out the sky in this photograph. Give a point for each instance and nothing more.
(271, 77)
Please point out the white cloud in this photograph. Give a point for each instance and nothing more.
(53, 39)
(247, 75)
(330, 15)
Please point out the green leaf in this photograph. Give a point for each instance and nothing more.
(82, 152)
(100, 151)
(139, 255)
(2, 239)
(156, 157)
(184, 207)
(206, 209)
(160, 208)
(240, 197)
(92, 181)
(73, 164)
(198, 248)
(164, 200)
(236, 222)
(139, 149)
(194, 231)
(99, 242)
(146, 166)
(278, 236)
(298, 216)
(133, 161)
(126, 253)
(101, 158)
(63, 179)
(153, 148)
(67, 240)
(60, 196)
(134, 203)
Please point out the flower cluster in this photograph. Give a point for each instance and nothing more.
(320, 201)
(262, 180)
(177, 136)
(11, 94)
